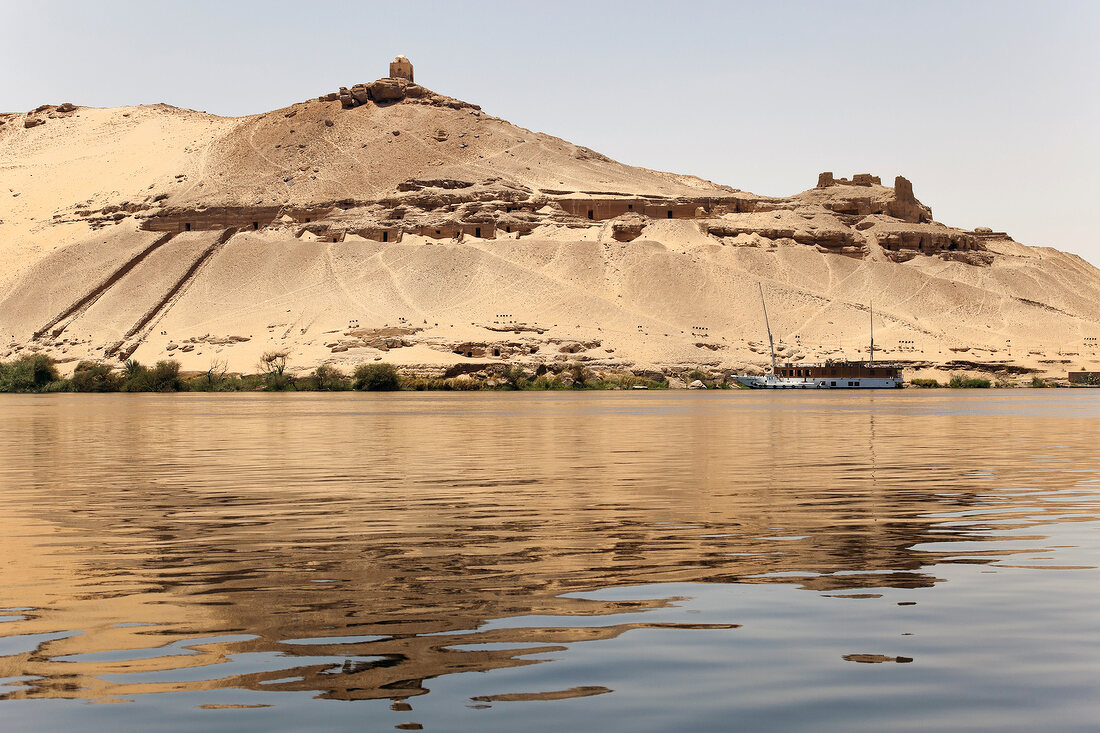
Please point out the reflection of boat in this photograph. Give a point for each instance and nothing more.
(830, 375)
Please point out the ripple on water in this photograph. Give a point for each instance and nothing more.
(607, 561)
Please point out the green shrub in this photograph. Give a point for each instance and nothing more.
(60, 385)
(135, 377)
(379, 377)
(425, 384)
(1039, 383)
(163, 377)
(623, 381)
(325, 378)
(29, 374)
(695, 374)
(579, 375)
(243, 383)
(92, 376)
(273, 365)
(514, 377)
(925, 383)
(34, 373)
(214, 376)
(460, 384)
(961, 381)
(548, 382)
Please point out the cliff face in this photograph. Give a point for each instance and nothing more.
(387, 221)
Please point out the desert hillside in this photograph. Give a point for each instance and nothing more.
(386, 221)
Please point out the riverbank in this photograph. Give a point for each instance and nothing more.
(39, 373)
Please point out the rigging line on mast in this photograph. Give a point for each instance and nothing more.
(771, 343)
(872, 333)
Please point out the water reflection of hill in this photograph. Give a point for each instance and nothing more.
(355, 546)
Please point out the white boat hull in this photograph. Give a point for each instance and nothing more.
(770, 381)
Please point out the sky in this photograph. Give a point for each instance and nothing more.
(990, 108)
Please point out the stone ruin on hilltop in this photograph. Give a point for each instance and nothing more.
(397, 87)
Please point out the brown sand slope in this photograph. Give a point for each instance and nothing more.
(424, 231)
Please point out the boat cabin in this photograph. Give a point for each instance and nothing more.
(839, 370)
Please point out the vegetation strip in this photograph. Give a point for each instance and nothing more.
(38, 373)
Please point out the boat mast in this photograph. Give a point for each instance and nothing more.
(872, 333)
(771, 343)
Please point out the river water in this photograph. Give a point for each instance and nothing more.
(626, 561)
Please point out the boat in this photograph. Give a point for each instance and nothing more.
(830, 375)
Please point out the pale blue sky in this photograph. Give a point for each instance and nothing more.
(992, 109)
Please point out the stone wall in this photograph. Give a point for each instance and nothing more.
(826, 179)
(904, 205)
(401, 68)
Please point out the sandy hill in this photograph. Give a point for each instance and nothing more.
(386, 221)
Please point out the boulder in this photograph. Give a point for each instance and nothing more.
(627, 228)
(360, 94)
(66, 107)
(697, 384)
(388, 90)
(33, 122)
(330, 97)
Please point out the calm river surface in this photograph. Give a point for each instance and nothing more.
(546, 562)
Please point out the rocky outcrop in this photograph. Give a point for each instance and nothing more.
(390, 90)
(627, 228)
(904, 243)
(845, 197)
(828, 238)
